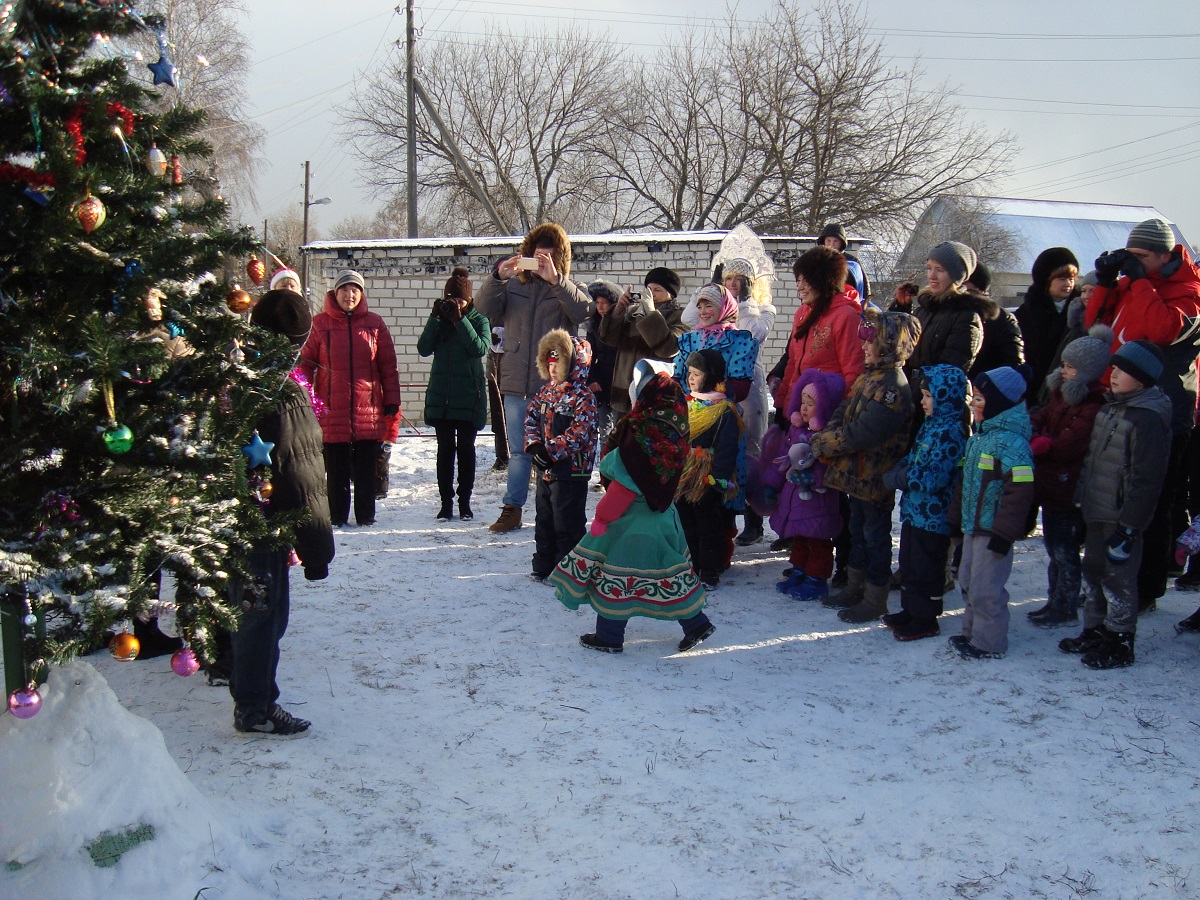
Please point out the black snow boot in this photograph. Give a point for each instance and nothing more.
(1114, 652)
(1088, 639)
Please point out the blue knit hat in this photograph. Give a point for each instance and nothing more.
(1141, 359)
(1002, 388)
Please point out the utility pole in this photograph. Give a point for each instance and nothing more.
(303, 255)
(411, 124)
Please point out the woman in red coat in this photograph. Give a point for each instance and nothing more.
(351, 361)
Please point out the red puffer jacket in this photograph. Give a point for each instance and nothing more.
(351, 361)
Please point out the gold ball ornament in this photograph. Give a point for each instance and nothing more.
(256, 269)
(238, 300)
(89, 213)
(124, 647)
(265, 490)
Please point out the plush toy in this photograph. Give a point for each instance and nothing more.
(801, 460)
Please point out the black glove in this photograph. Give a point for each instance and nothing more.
(541, 458)
(1132, 266)
(391, 409)
(1108, 266)
(999, 545)
(316, 573)
(1120, 545)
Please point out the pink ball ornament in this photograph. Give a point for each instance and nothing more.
(184, 662)
(24, 703)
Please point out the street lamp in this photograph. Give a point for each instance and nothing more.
(307, 203)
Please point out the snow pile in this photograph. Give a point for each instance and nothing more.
(463, 743)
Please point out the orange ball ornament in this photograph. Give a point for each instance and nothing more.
(256, 269)
(238, 300)
(124, 647)
(89, 213)
(265, 490)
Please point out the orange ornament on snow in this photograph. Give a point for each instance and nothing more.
(124, 647)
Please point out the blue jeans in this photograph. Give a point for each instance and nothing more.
(520, 465)
(871, 539)
(256, 642)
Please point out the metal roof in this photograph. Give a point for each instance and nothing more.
(652, 237)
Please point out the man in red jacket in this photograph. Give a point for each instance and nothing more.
(1151, 291)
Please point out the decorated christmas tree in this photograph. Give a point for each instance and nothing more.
(129, 383)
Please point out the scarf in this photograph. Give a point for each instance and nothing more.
(710, 334)
(697, 476)
(652, 439)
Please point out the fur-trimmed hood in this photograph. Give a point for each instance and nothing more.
(560, 252)
(899, 334)
(574, 357)
(960, 298)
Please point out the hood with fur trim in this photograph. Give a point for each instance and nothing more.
(898, 334)
(830, 389)
(573, 358)
(560, 250)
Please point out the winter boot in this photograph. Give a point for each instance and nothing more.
(1190, 624)
(896, 619)
(1190, 580)
(1087, 640)
(871, 607)
(753, 532)
(812, 588)
(593, 642)
(383, 467)
(444, 513)
(794, 579)
(851, 593)
(464, 508)
(1114, 652)
(916, 628)
(1057, 614)
(510, 520)
(1041, 611)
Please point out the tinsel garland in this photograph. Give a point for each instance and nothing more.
(318, 405)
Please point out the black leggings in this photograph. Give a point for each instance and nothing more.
(455, 439)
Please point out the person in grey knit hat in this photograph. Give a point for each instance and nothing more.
(951, 317)
(349, 276)
(1153, 234)
(1062, 428)
(956, 259)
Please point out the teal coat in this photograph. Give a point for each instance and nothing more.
(457, 388)
(997, 477)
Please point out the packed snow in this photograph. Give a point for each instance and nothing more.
(464, 744)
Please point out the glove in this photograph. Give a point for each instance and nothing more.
(1039, 445)
(1181, 555)
(897, 478)
(611, 507)
(999, 545)
(316, 573)
(390, 409)
(541, 458)
(773, 383)
(1108, 266)
(1120, 545)
(1132, 266)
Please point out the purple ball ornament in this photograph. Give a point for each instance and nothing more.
(24, 703)
(184, 662)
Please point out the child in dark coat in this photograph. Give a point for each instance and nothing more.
(1118, 491)
(298, 481)
(807, 513)
(1062, 430)
(709, 479)
(927, 477)
(560, 437)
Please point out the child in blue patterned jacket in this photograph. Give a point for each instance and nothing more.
(991, 504)
(927, 476)
(560, 437)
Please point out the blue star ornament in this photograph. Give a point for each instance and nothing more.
(164, 70)
(258, 451)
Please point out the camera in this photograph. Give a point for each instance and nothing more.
(445, 307)
(635, 296)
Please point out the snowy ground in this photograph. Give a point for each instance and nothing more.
(464, 744)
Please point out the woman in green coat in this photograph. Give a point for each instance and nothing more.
(457, 336)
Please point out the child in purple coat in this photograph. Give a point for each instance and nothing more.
(807, 513)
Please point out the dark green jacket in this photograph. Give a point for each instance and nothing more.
(457, 388)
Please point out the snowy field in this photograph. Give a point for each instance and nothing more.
(464, 744)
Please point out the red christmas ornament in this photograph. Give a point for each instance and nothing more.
(74, 126)
(90, 213)
(176, 171)
(256, 269)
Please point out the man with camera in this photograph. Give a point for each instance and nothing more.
(529, 295)
(643, 326)
(1150, 290)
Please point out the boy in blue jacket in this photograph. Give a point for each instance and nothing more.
(992, 504)
(926, 476)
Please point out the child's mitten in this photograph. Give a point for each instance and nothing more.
(611, 507)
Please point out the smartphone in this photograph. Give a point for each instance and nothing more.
(527, 264)
(634, 296)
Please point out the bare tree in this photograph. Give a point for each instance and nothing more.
(526, 110)
(970, 220)
(285, 234)
(212, 61)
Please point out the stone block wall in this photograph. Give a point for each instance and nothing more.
(404, 277)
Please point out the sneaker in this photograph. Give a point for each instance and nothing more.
(1189, 625)
(697, 637)
(592, 642)
(915, 629)
(510, 520)
(278, 721)
(967, 650)
(896, 619)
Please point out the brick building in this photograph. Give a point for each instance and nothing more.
(405, 276)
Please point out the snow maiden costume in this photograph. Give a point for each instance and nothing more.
(634, 560)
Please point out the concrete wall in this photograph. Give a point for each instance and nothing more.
(404, 277)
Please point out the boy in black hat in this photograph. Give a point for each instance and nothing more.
(1118, 491)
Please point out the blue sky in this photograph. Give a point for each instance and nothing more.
(1103, 98)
